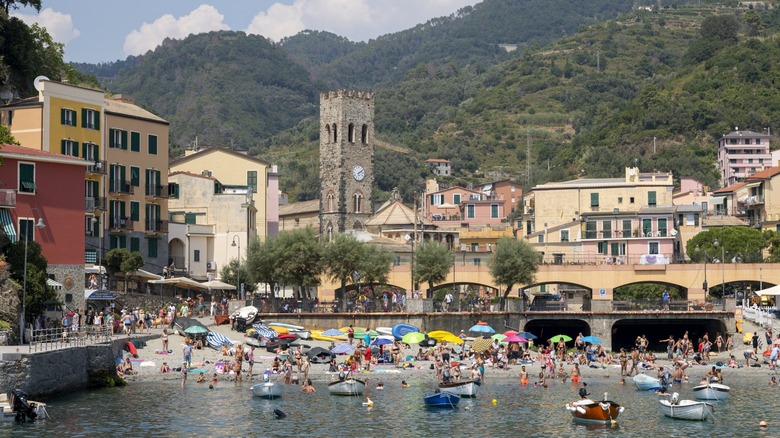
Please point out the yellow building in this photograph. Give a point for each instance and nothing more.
(297, 215)
(233, 168)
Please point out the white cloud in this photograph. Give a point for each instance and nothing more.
(205, 18)
(59, 25)
(358, 20)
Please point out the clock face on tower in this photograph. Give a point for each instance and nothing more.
(358, 173)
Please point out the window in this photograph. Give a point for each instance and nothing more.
(297, 222)
(190, 218)
(474, 247)
(437, 199)
(456, 198)
(477, 262)
(153, 187)
(631, 200)
(90, 119)
(90, 152)
(68, 117)
(647, 227)
(594, 199)
(196, 255)
(470, 211)
(118, 242)
(117, 218)
(651, 198)
(251, 180)
(750, 161)
(540, 238)
(351, 133)
(397, 261)
(135, 244)
(117, 139)
(364, 134)
(494, 211)
(696, 219)
(173, 190)
(606, 229)
(135, 176)
(652, 248)
(564, 235)
(26, 178)
(626, 227)
(330, 202)
(69, 147)
(152, 144)
(358, 202)
(758, 141)
(135, 141)
(27, 229)
(620, 199)
(152, 217)
(618, 249)
(91, 190)
(135, 211)
(603, 247)
(152, 247)
(733, 160)
(662, 227)
(590, 230)
(747, 141)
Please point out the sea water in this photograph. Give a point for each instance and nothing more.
(165, 409)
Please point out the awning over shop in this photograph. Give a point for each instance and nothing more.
(7, 224)
(53, 284)
(94, 270)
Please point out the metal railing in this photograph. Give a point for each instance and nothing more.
(7, 198)
(65, 337)
(121, 223)
(92, 204)
(156, 226)
(120, 187)
(657, 305)
(98, 166)
(605, 259)
(156, 191)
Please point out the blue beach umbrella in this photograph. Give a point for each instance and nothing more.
(482, 328)
(591, 340)
(333, 332)
(381, 341)
(527, 335)
(343, 349)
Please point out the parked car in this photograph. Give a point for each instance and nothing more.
(548, 302)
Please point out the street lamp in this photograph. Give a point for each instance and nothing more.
(704, 285)
(238, 269)
(722, 271)
(38, 225)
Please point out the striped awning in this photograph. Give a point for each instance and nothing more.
(54, 284)
(8, 224)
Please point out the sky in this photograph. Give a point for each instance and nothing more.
(107, 30)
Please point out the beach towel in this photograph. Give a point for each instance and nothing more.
(265, 331)
(148, 363)
(216, 340)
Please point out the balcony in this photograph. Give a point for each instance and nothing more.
(624, 234)
(98, 167)
(120, 187)
(156, 226)
(7, 198)
(121, 224)
(92, 205)
(750, 201)
(156, 191)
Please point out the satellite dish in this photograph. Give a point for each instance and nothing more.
(37, 82)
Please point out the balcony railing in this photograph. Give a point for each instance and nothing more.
(120, 223)
(120, 186)
(606, 259)
(94, 204)
(156, 191)
(156, 226)
(625, 234)
(98, 166)
(7, 198)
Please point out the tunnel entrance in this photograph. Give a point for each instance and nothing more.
(545, 329)
(625, 332)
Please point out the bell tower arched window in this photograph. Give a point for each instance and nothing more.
(327, 133)
(364, 134)
(357, 199)
(335, 134)
(330, 205)
(351, 133)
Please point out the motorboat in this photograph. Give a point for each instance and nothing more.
(441, 399)
(593, 412)
(15, 406)
(644, 382)
(466, 388)
(247, 313)
(347, 386)
(267, 389)
(686, 409)
(711, 391)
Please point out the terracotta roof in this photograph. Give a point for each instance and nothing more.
(764, 174)
(294, 208)
(32, 154)
(196, 175)
(731, 188)
(125, 108)
(436, 160)
(214, 149)
(395, 214)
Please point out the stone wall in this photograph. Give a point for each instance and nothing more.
(72, 279)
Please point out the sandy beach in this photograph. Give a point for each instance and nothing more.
(148, 363)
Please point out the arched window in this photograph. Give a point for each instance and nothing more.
(351, 133)
(327, 133)
(357, 226)
(329, 232)
(330, 202)
(364, 134)
(335, 134)
(358, 202)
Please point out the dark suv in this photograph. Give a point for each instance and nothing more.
(548, 302)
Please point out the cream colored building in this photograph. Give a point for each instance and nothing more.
(298, 215)
(207, 218)
(233, 168)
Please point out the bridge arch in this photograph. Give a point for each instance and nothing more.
(544, 328)
(682, 290)
(625, 331)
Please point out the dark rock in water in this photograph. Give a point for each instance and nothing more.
(279, 414)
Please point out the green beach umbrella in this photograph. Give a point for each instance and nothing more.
(557, 338)
(413, 338)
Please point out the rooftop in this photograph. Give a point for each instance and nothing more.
(296, 208)
(126, 108)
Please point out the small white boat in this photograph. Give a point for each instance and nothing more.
(686, 409)
(466, 388)
(644, 382)
(386, 331)
(347, 387)
(592, 412)
(285, 325)
(247, 313)
(711, 391)
(267, 389)
(303, 334)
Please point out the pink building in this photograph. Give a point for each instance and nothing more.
(510, 191)
(741, 154)
(455, 206)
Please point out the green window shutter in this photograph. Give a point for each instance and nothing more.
(63, 143)
(62, 115)
(135, 141)
(650, 198)
(97, 120)
(123, 173)
(135, 177)
(152, 144)
(135, 211)
(594, 199)
(190, 218)
(456, 198)
(27, 177)
(494, 211)
(124, 139)
(615, 249)
(135, 244)
(75, 149)
(111, 142)
(84, 117)
(152, 247)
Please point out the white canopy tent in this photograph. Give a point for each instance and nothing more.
(218, 285)
(774, 290)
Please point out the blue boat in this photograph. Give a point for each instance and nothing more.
(441, 399)
(399, 330)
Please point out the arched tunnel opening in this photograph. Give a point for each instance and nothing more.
(625, 332)
(547, 328)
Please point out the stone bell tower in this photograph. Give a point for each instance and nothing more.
(346, 161)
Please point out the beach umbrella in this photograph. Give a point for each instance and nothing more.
(515, 338)
(413, 338)
(482, 328)
(343, 349)
(510, 333)
(557, 338)
(481, 344)
(333, 332)
(529, 336)
(498, 337)
(452, 339)
(196, 330)
(440, 334)
(380, 341)
(591, 339)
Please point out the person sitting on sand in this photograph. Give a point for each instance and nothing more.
(201, 378)
(127, 367)
(733, 362)
(165, 368)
